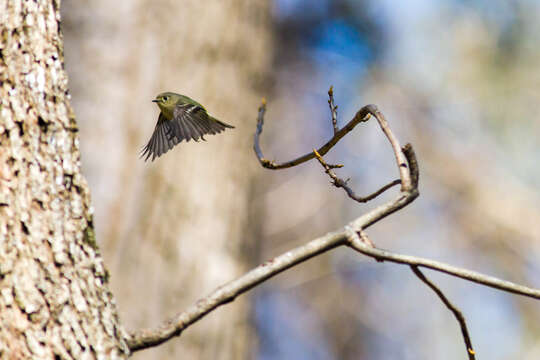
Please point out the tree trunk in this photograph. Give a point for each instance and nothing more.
(175, 229)
(54, 299)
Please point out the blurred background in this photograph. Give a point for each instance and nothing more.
(458, 79)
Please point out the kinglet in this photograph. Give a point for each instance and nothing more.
(181, 118)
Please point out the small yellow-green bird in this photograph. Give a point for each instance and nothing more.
(181, 118)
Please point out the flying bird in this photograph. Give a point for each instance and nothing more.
(181, 118)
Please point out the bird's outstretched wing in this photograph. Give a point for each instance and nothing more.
(191, 121)
(161, 140)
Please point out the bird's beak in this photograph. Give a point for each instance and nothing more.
(155, 100)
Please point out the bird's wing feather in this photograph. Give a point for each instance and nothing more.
(194, 122)
(162, 140)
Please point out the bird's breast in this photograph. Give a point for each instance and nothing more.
(167, 112)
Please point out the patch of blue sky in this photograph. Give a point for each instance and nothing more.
(288, 329)
(291, 8)
(340, 53)
(340, 56)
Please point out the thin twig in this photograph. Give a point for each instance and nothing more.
(340, 183)
(401, 158)
(457, 314)
(362, 115)
(355, 243)
(413, 165)
(333, 109)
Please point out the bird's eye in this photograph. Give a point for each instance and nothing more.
(165, 98)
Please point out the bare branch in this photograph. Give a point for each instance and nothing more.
(333, 109)
(146, 338)
(401, 158)
(379, 254)
(362, 115)
(457, 314)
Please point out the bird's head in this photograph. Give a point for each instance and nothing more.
(166, 101)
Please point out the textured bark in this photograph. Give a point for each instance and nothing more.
(175, 229)
(54, 300)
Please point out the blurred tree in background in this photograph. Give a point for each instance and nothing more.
(174, 229)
